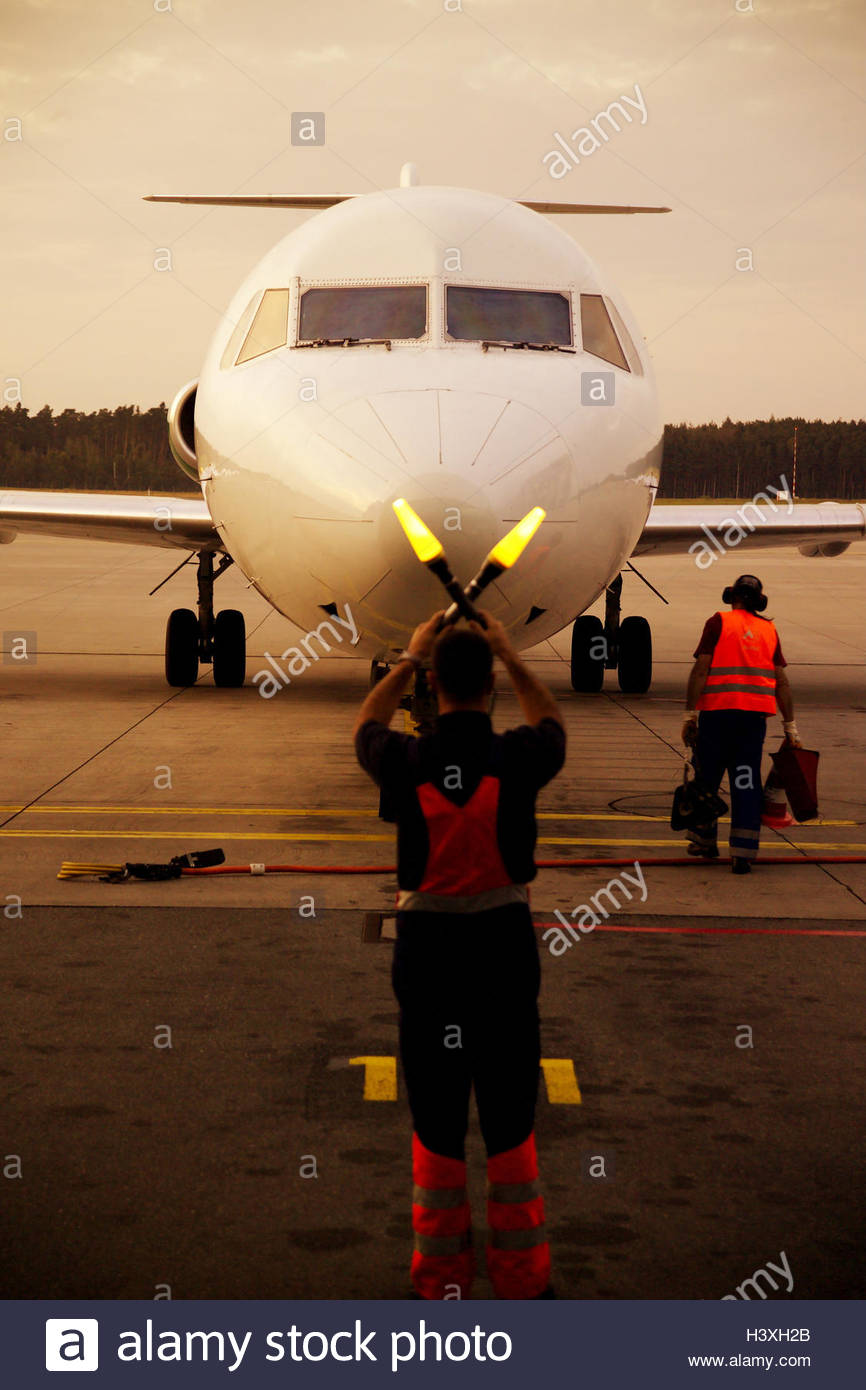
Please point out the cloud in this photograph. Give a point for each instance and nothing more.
(133, 67)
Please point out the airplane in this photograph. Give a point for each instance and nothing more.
(449, 347)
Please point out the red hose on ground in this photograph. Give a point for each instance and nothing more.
(541, 864)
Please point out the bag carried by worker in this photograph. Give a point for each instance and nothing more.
(776, 813)
(693, 804)
(797, 770)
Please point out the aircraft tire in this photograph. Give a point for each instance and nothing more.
(587, 670)
(229, 648)
(181, 647)
(635, 666)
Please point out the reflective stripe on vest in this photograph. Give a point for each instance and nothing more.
(742, 674)
(410, 901)
(464, 857)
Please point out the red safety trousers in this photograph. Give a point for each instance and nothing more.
(518, 1253)
(443, 1261)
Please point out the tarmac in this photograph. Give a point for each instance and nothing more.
(706, 1043)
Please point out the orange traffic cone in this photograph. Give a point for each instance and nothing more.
(776, 813)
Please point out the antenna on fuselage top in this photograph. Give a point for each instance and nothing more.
(409, 175)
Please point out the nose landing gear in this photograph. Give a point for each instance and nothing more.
(588, 653)
(218, 639)
(624, 646)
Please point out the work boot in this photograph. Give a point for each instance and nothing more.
(741, 866)
(702, 851)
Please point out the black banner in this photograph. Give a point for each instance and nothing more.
(609, 1345)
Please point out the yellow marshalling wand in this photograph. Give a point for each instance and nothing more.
(418, 533)
(503, 555)
(72, 870)
(431, 553)
(121, 873)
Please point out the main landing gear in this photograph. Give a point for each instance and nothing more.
(220, 639)
(624, 646)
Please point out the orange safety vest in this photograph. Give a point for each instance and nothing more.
(742, 674)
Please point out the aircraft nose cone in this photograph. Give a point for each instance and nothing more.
(468, 462)
(470, 434)
(450, 446)
(468, 453)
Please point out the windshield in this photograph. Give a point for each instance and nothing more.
(599, 334)
(378, 311)
(269, 328)
(514, 316)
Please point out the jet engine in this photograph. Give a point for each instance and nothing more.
(181, 429)
(826, 549)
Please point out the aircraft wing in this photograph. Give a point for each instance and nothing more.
(816, 528)
(181, 523)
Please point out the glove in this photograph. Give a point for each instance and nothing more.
(792, 735)
(689, 733)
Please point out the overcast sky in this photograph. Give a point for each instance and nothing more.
(753, 134)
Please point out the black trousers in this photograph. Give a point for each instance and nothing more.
(467, 986)
(732, 741)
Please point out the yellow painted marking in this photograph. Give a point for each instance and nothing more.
(560, 1079)
(338, 812)
(380, 1076)
(768, 845)
(184, 811)
(332, 837)
(380, 1079)
(664, 820)
(173, 834)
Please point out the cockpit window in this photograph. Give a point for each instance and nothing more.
(599, 334)
(239, 332)
(270, 327)
(360, 313)
(508, 316)
(625, 338)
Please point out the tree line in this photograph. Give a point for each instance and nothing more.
(742, 458)
(126, 449)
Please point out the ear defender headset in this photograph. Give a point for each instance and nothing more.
(749, 590)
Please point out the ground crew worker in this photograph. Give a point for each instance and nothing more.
(735, 684)
(466, 969)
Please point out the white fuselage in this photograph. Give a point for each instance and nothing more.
(302, 450)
